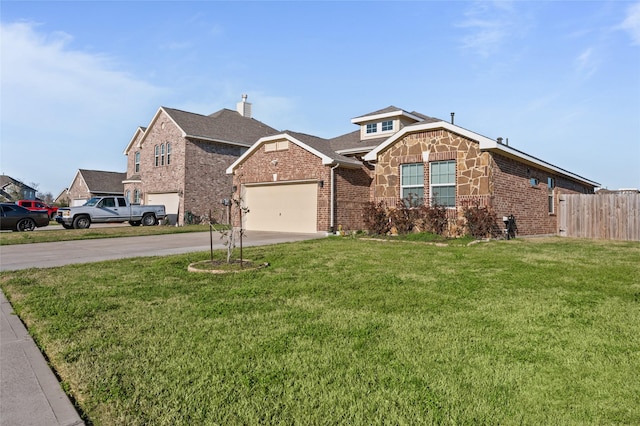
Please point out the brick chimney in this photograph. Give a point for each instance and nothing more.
(244, 107)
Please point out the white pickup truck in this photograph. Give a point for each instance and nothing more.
(109, 209)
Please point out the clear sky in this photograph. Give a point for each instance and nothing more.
(561, 80)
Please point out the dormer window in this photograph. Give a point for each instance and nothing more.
(387, 126)
(372, 128)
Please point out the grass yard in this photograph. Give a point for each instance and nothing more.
(348, 331)
(57, 233)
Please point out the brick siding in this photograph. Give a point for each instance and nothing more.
(514, 194)
(292, 164)
(353, 188)
(197, 171)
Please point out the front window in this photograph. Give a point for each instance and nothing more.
(136, 196)
(412, 183)
(136, 160)
(372, 127)
(162, 154)
(443, 183)
(168, 153)
(387, 126)
(157, 155)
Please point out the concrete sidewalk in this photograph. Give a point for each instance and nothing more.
(30, 393)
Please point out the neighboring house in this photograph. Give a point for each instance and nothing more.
(179, 159)
(13, 190)
(296, 182)
(62, 199)
(94, 183)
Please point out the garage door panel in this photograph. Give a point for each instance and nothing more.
(170, 201)
(282, 208)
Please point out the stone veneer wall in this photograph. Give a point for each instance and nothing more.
(293, 164)
(489, 179)
(472, 165)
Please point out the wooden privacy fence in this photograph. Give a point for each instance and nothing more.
(600, 216)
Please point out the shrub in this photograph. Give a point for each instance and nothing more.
(375, 218)
(403, 217)
(481, 221)
(433, 219)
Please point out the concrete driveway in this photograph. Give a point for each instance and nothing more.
(44, 255)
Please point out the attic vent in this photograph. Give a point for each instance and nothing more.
(244, 107)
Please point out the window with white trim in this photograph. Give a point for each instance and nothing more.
(162, 155)
(157, 155)
(136, 196)
(136, 162)
(387, 126)
(372, 128)
(168, 153)
(412, 183)
(442, 181)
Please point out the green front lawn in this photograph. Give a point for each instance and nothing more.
(56, 232)
(349, 331)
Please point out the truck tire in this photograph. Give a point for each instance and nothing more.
(134, 222)
(149, 220)
(65, 226)
(81, 222)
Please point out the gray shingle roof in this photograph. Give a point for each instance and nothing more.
(323, 146)
(352, 141)
(99, 181)
(6, 180)
(390, 108)
(223, 126)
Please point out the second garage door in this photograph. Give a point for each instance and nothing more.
(282, 208)
(170, 201)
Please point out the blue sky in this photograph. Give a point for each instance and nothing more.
(561, 80)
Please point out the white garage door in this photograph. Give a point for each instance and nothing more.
(282, 207)
(78, 202)
(170, 201)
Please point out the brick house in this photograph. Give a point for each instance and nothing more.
(326, 182)
(179, 159)
(93, 183)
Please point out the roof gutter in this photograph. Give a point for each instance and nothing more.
(510, 152)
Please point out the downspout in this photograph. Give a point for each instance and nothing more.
(332, 200)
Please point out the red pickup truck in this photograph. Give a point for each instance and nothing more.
(38, 205)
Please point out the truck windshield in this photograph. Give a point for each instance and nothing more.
(92, 201)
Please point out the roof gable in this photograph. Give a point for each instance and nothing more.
(224, 126)
(99, 181)
(315, 145)
(137, 136)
